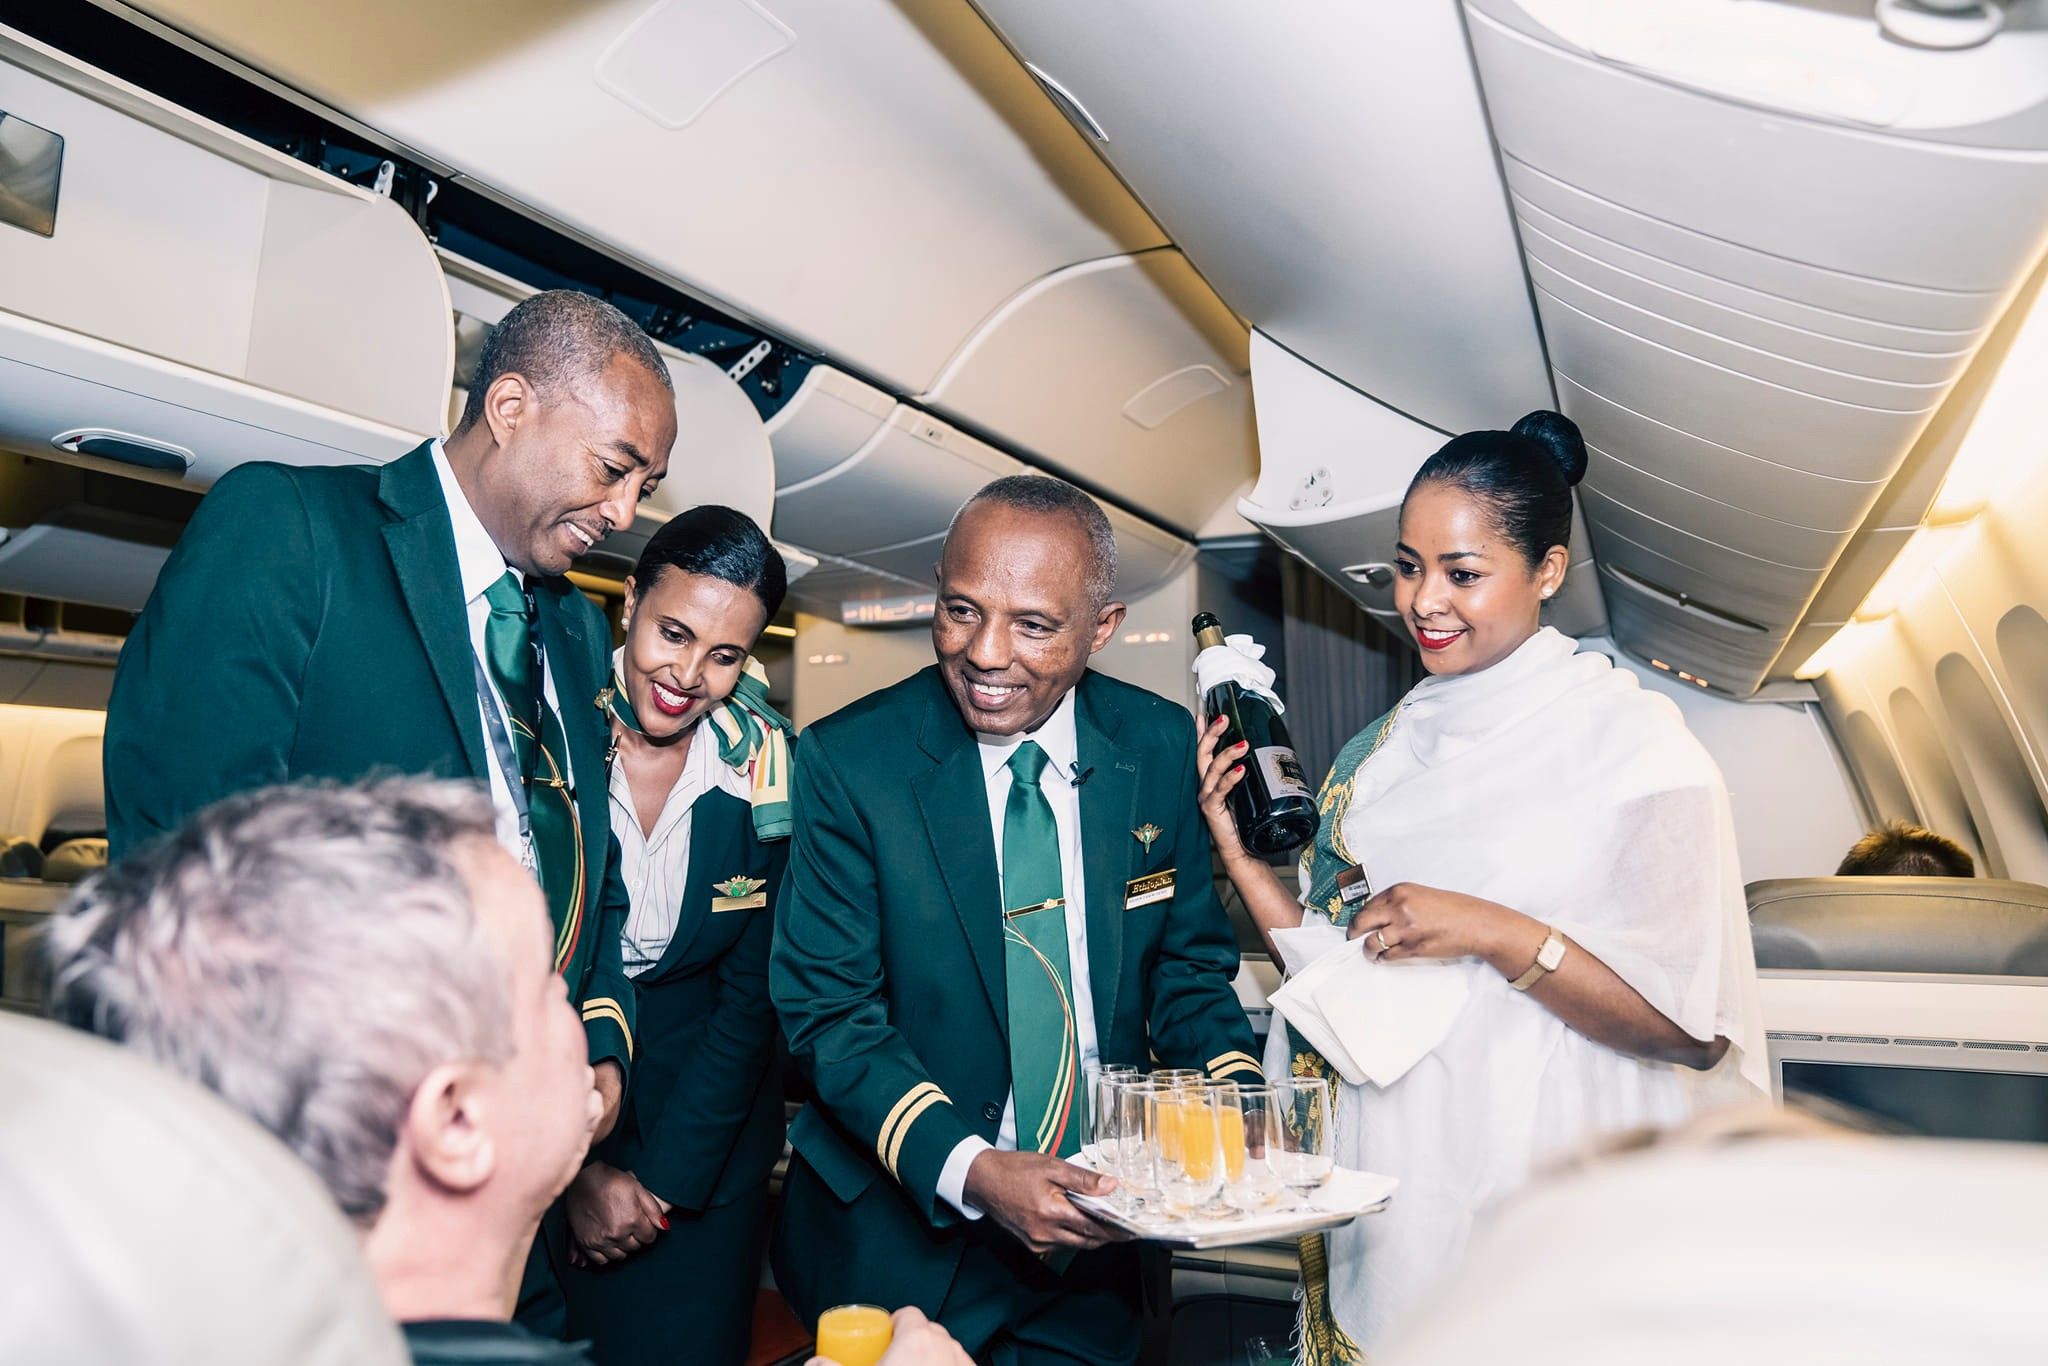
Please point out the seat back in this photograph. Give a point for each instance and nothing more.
(1970, 926)
(143, 1221)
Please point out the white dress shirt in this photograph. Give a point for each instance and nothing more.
(656, 866)
(479, 563)
(1061, 743)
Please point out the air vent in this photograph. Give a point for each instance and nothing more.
(1683, 601)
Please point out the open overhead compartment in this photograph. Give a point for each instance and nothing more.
(1126, 372)
(201, 299)
(868, 178)
(1757, 286)
(1334, 465)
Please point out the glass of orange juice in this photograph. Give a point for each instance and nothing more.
(854, 1334)
(1193, 1181)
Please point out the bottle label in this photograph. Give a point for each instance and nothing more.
(1284, 777)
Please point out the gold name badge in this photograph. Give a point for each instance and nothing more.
(739, 903)
(1143, 891)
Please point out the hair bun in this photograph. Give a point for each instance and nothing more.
(1559, 437)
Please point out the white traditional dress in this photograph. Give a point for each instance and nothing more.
(1553, 784)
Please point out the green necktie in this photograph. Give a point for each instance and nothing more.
(541, 751)
(1045, 1055)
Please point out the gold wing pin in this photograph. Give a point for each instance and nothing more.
(741, 886)
(1146, 834)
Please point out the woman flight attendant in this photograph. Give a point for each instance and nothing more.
(1532, 819)
(667, 1219)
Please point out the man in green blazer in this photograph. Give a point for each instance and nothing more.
(336, 621)
(998, 879)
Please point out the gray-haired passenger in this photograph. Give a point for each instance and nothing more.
(368, 974)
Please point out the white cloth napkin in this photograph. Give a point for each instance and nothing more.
(1236, 660)
(1373, 1021)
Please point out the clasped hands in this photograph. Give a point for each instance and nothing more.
(1026, 1193)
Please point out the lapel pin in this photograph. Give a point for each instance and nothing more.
(1146, 834)
(741, 886)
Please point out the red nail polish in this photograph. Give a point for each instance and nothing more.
(664, 1223)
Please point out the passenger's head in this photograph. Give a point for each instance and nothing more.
(365, 973)
(1485, 528)
(705, 586)
(570, 422)
(1025, 584)
(1901, 849)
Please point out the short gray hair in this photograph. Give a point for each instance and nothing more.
(556, 336)
(1041, 494)
(309, 953)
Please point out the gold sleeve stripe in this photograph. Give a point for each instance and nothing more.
(934, 1097)
(1225, 1062)
(605, 1008)
(1239, 1068)
(908, 1099)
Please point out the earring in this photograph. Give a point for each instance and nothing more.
(1547, 592)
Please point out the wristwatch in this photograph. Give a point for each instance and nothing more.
(1547, 959)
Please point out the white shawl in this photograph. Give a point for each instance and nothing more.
(1553, 784)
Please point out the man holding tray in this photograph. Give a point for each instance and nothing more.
(999, 879)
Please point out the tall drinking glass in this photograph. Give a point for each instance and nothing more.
(1190, 1183)
(1301, 1142)
(1249, 1182)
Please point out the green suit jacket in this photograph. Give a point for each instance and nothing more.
(888, 965)
(310, 625)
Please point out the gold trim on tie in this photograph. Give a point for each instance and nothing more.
(605, 1008)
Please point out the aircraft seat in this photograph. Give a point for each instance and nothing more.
(1970, 926)
(143, 1221)
(19, 857)
(75, 860)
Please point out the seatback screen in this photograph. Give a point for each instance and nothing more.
(1934, 1102)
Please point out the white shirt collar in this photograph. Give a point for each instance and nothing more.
(1056, 735)
(478, 560)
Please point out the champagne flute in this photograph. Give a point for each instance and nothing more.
(1095, 1074)
(1300, 1142)
(1191, 1183)
(1249, 1182)
(1106, 1127)
(1167, 1116)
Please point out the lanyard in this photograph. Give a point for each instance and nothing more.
(501, 745)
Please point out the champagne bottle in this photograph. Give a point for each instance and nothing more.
(1272, 805)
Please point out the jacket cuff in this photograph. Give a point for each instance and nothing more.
(919, 1133)
(609, 1031)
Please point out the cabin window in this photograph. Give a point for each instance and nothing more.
(1934, 773)
(1870, 758)
(2007, 799)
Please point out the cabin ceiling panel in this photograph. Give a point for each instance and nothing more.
(872, 178)
(1126, 372)
(1753, 314)
(1331, 175)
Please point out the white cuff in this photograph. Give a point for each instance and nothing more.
(953, 1176)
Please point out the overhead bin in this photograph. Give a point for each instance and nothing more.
(204, 300)
(1126, 372)
(904, 483)
(869, 179)
(1334, 466)
(1755, 292)
(1332, 177)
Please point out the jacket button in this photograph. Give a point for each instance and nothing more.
(991, 1111)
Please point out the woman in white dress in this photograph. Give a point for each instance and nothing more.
(1532, 819)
